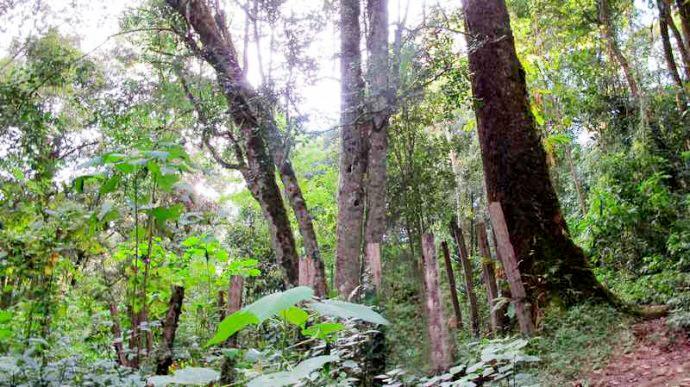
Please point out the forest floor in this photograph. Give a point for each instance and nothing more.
(659, 356)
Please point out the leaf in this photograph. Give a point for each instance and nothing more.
(323, 330)
(187, 376)
(163, 214)
(107, 212)
(5, 316)
(295, 316)
(286, 378)
(231, 325)
(165, 182)
(110, 185)
(344, 309)
(271, 305)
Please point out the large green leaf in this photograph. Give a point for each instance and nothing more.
(195, 376)
(231, 325)
(323, 331)
(272, 304)
(163, 214)
(287, 378)
(344, 309)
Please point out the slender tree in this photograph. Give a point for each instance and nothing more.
(515, 169)
(666, 43)
(608, 33)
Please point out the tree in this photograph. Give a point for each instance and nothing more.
(353, 156)
(514, 162)
(263, 142)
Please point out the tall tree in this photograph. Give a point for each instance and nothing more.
(264, 145)
(616, 55)
(515, 169)
(353, 155)
(378, 70)
(666, 43)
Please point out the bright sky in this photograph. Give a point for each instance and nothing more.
(94, 21)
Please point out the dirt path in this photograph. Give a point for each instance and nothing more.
(659, 357)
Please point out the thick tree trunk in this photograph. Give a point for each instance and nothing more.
(451, 284)
(118, 343)
(457, 234)
(666, 44)
(378, 70)
(609, 36)
(514, 161)
(489, 277)
(172, 318)
(353, 155)
(263, 142)
(510, 265)
(441, 353)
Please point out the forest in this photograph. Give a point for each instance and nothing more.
(345, 193)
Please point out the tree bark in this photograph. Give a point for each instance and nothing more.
(263, 142)
(514, 161)
(353, 158)
(609, 36)
(228, 374)
(451, 284)
(510, 265)
(489, 276)
(172, 318)
(684, 12)
(457, 234)
(685, 56)
(441, 354)
(378, 69)
(666, 44)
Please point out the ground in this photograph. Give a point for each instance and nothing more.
(659, 357)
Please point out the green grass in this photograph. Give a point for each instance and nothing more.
(579, 340)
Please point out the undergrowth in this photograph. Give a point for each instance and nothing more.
(579, 340)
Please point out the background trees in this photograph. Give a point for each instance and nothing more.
(150, 188)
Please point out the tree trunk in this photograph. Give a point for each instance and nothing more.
(378, 69)
(685, 56)
(441, 354)
(684, 12)
(118, 343)
(666, 43)
(489, 276)
(264, 144)
(172, 318)
(220, 304)
(514, 161)
(228, 375)
(609, 36)
(510, 265)
(352, 153)
(457, 234)
(452, 285)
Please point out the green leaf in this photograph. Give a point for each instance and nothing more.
(163, 214)
(323, 330)
(295, 316)
(231, 325)
(110, 185)
(344, 309)
(272, 304)
(286, 378)
(165, 182)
